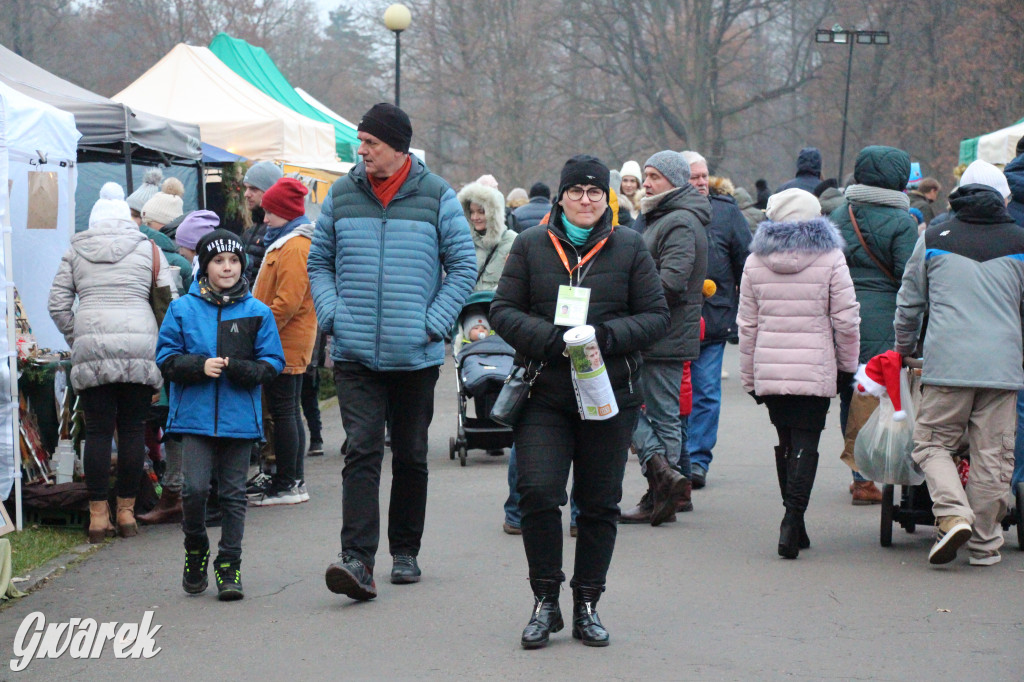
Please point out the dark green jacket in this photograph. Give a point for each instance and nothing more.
(170, 250)
(890, 233)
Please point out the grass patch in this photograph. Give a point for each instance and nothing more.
(326, 383)
(36, 545)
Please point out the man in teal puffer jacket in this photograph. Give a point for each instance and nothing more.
(881, 210)
(384, 234)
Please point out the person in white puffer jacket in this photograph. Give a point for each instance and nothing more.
(112, 334)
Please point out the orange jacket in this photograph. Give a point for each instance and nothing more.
(283, 285)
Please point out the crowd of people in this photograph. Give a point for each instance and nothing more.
(812, 281)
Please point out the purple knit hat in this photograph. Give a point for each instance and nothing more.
(194, 226)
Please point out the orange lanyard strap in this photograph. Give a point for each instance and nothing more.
(590, 254)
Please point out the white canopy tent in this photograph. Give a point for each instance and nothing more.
(38, 146)
(999, 147)
(191, 84)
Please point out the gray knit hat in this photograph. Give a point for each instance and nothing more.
(150, 186)
(262, 175)
(672, 165)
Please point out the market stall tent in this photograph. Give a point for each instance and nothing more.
(997, 147)
(255, 66)
(191, 84)
(38, 148)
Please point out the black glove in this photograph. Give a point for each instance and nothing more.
(249, 374)
(188, 368)
(757, 399)
(843, 380)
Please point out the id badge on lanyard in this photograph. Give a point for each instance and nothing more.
(573, 302)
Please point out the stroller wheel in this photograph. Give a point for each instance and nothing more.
(451, 448)
(462, 455)
(885, 534)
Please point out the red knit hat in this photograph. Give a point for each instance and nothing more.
(286, 198)
(882, 375)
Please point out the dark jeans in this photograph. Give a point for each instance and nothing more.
(311, 402)
(228, 459)
(124, 407)
(513, 516)
(364, 399)
(548, 442)
(283, 396)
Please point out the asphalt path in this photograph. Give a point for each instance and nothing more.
(705, 598)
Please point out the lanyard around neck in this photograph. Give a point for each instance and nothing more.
(590, 254)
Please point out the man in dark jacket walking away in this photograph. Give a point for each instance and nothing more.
(728, 248)
(969, 274)
(386, 232)
(808, 171)
(675, 215)
(532, 213)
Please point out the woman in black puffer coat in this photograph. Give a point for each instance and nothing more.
(629, 313)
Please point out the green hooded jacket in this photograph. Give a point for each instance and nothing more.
(890, 232)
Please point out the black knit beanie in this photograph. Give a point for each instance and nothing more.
(584, 169)
(218, 241)
(389, 124)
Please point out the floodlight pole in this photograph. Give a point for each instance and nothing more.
(846, 107)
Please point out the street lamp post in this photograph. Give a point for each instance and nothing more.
(840, 36)
(397, 18)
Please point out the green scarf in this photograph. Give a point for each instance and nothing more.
(577, 235)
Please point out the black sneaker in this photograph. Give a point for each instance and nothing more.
(229, 579)
(351, 578)
(258, 484)
(316, 448)
(194, 579)
(405, 570)
(698, 477)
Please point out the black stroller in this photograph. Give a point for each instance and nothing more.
(480, 370)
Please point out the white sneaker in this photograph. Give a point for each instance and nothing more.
(987, 559)
(276, 495)
(303, 493)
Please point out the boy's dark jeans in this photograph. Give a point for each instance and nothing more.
(283, 399)
(228, 459)
(363, 397)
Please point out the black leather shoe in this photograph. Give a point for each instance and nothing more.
(586, 625)
(351, 578)
(547, 616)
(405, 570)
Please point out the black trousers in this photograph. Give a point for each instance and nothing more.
(549, 441)
(123, 407)
(311, 402)
(283, 398)
(364, 397)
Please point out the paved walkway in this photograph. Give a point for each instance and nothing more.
(705, 598)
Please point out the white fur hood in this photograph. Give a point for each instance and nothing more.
(494, 206)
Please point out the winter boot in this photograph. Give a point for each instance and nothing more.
(641, 513)
(229, 579)
(586, 625)
(685, 503)
(781, 454)
(126, 526)
(197, 556)
(667, 486)
(99, 521)
(167, 509)
(801, 468)
(547, 616)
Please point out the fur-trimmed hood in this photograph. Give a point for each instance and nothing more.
(791, 247)
(494, 207)
(721, 186)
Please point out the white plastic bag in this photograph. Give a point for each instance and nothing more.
(883, 448)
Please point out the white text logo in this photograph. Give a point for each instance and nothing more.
(82, 638)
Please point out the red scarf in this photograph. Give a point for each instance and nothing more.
(387, 188)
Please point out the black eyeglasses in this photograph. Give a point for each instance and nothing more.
(593, 193)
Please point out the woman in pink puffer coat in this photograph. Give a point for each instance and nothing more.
(799, 339)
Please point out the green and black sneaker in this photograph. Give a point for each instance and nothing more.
(193, 579)
(229, 579)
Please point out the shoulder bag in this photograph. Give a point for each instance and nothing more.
(509, 404)
(878, 263)
(159, 296)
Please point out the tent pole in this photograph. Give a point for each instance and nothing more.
(12, 361)
(129, 182)
(201, 180)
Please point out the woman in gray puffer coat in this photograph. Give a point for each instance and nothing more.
(485, 211)
(112, 334)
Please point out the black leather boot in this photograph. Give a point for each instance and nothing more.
(547, 616)
(802, 466)
(781, 454)
(586, 625)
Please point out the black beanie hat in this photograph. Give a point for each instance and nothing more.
(389, 124)
(218, 241)
(539, 189)
(584, 169)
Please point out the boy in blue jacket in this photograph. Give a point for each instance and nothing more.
(217, 346)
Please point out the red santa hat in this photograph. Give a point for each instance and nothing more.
(881, 375)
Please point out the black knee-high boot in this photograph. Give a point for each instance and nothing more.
(547, 616)
(586, 625)
(781, 455)
(800, 471)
